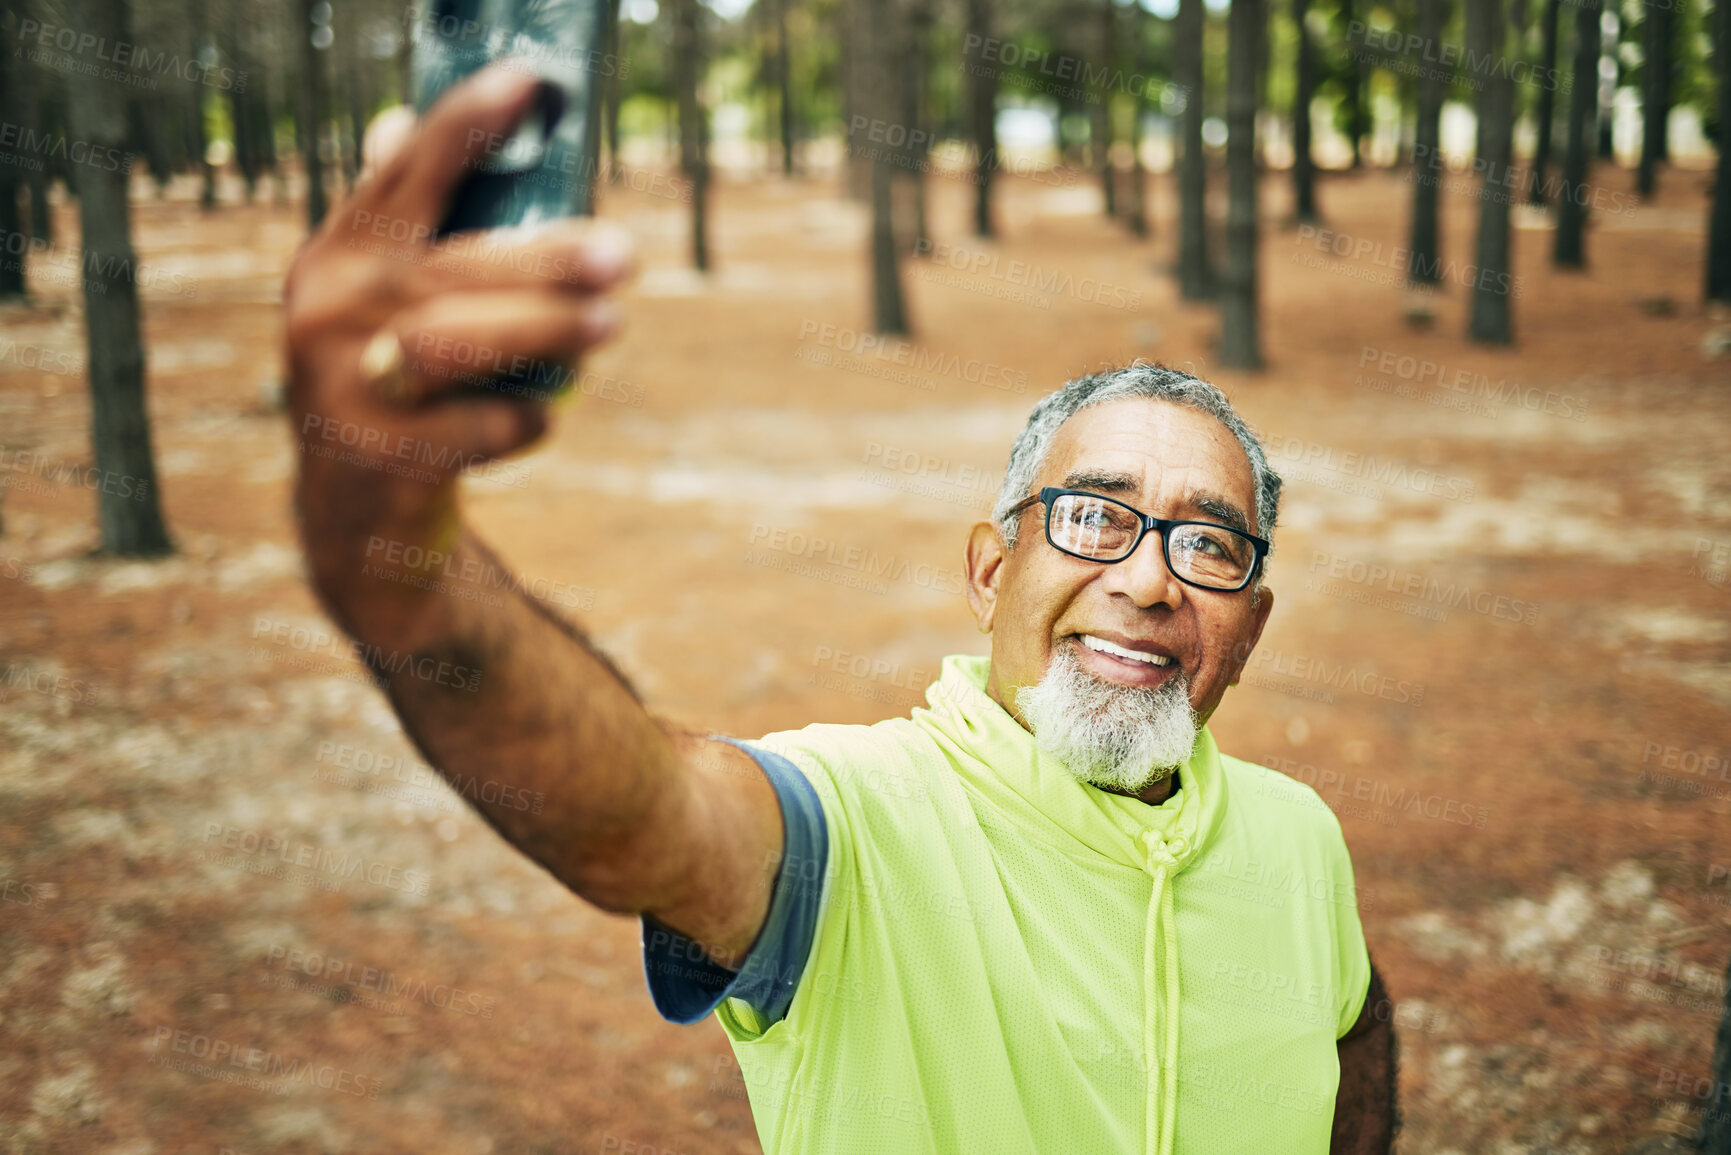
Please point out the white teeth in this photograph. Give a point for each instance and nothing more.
(1106, 647)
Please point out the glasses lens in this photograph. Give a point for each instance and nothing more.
(1093, 527)
(1210, 555)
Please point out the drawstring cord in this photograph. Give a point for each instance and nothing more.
(1160, 1021)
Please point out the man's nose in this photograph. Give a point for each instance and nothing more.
(1144, 577)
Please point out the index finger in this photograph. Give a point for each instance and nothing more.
(420, 182)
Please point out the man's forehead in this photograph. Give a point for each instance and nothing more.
(1144, 438)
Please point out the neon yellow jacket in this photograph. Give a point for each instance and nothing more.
(1009, 960)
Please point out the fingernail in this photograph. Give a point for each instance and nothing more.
(608, 251)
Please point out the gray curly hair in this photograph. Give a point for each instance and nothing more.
(1138, 379)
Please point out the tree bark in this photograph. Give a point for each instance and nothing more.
(1102, 119)
(1354, 100)
(1138, 106)
(877, 92)
(1547, 110)
(1715, 1136)
(1303, 92)
(313, 104)
(915, 156)
(1491, 320)
(693, 123)
(1424, 265)
(1606, 103)
(982, 97)
(1570, 251)
(1195, 280)
(12, 256)
(120, 428)
(1655, 93)
(1719, 267)
(1240, 340)
(784, 86)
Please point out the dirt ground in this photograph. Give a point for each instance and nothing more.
(1500, 650)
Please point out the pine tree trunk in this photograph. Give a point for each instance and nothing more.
(1719, 260)
(1491, 320)
(1195, 282)
(120, 428)
(878, 97)
(1607, 106)
(1304, 91)
(915, 156)
(1655, 93)
(1240, 341)
(1571, 247)
(982, 97)
(1715, 1137)
(693, 126)
(11, 220)
(1138, 106)
(1547, 111)
(1102, 119)
(313, 104)
(1424, 265)
(610, 96)
(784, 86)
(1354, 100)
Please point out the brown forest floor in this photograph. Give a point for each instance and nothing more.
(1552, 914)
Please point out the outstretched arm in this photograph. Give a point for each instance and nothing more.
(1366, 1114)
(384, 330)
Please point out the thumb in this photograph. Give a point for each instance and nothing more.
(385, 137)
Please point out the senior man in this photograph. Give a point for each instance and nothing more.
(1042, 914)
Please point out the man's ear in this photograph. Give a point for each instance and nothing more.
(985, 565)
(1261, 605)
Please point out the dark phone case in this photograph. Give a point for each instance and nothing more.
(547, 168)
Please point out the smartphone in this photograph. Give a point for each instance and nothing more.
(547, 167)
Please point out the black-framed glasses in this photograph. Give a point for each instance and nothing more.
(1103, 529)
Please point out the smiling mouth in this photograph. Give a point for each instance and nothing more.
(1101, 645)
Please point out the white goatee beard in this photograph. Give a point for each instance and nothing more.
(1111, 736)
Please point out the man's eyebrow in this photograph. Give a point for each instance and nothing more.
(1103, 480)
(1221, 510)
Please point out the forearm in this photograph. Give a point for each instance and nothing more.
(508, 700)
(1366, 1115)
